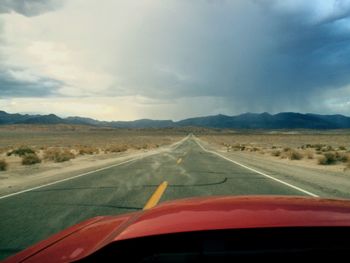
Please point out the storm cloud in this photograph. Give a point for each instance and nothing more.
(18, 83)
(185, 58)
(29, 7)
(269, 55)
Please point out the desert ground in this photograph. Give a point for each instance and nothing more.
(328, 150)
(317, 160)
(34, 154)
(56, 176)
(37, 154)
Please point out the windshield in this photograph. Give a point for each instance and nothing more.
(111, 107)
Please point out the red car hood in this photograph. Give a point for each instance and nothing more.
(194, 214)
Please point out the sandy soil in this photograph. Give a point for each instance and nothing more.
(283, 139)
(21, 177)
(326, 181)
(261, 145)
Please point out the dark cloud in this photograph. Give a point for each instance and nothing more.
(14, 87)
(259, 55)
(29, 7)
(11, 83)
(309, 58)
(248, 55)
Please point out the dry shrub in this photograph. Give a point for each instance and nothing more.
(276, 153)
(333, 157)
(327, 148)
(140, 147)
(30, 159)
(145, 146)
(284, 155)
(342, 148)
(255, 149)
(306, 146)
(235, 147)
(148, 146)
(49, 154)
(295, 155)
(342, 157)
(21, 151)
(58, 155)
(327, 158)
(317, 147)
(239, 147)
(137, 147)
(309, 154)
(3, 165)
(64, 156)
(87, 150)
(117, 148)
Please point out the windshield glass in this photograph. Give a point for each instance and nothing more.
(111, 107)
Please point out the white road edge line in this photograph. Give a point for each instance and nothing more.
(177, 144)
(256, 171)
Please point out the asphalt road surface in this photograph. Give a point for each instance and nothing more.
(190, 171)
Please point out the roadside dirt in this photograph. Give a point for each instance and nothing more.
(326, 181)
(23, 177)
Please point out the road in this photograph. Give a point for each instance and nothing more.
(28, 217)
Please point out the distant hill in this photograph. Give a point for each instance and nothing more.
(143, 123)
(44, 119)
(285, 120)
(84, 121)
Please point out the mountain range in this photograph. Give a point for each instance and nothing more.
(284, 120)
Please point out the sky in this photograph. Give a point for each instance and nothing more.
(174, 59)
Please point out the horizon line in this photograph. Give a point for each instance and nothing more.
(200, 116)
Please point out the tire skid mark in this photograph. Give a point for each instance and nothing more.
(191, 185)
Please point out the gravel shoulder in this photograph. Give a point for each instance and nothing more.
(330, 182)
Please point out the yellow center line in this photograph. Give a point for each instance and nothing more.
(154, 199)
(179, 161)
